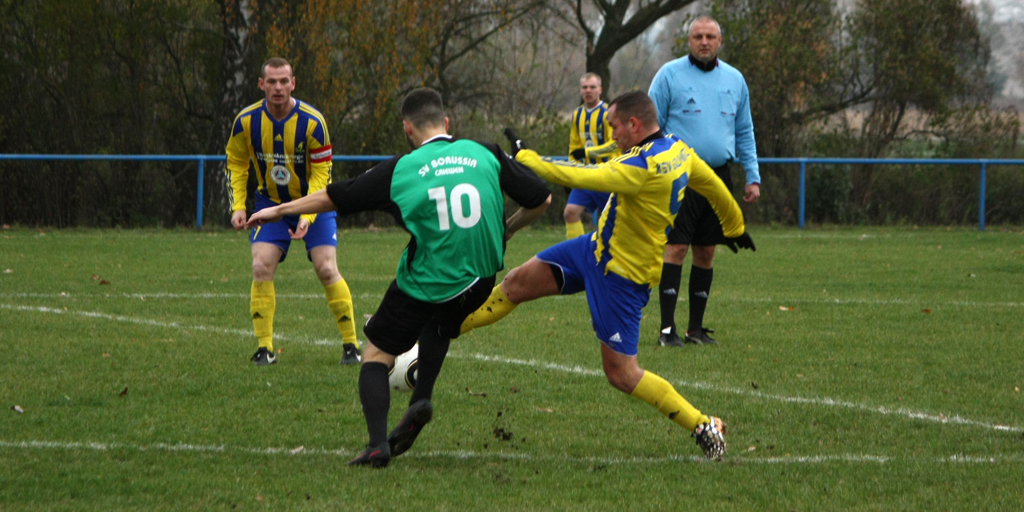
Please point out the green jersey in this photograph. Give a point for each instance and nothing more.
(448, 195)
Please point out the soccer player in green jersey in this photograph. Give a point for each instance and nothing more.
(285, 143)
(447, 193)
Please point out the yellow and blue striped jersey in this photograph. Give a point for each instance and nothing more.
(591, 132)
(291, 158)
(647, 186)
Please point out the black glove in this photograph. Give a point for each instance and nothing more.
(579, 154)
(741, 242)
(515, 141)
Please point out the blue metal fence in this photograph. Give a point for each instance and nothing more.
(803, 162)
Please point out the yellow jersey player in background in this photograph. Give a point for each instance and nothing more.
(590, 142)
(285, 142)
(619, 264)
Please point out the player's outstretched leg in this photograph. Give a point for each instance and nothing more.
(405, 432)
(498, 306)
(658, 392)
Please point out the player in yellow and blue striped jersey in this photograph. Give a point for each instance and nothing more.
(619, 264)
(591, 142)
(285, 142)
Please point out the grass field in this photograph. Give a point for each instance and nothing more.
(859, 368)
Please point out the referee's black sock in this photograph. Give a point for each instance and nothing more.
(433, 349)
(700, 288)
(375, 395)
(668, 292)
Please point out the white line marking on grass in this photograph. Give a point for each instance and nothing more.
(579, 370)
(828, 402)
(155, 323)
(463, 454)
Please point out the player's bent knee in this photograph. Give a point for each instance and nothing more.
(703, 255)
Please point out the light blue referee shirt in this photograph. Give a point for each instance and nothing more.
(708, 110)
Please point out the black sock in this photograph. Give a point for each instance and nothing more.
(433, 349)
(375, 395)
(668, 291)
(700, 288)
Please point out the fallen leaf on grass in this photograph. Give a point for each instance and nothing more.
(8, 271)
(541, 409)
(106, 355)
(752, 448)
(926, 310)
(297, 451)
(514, 389)
(95, 277)
(787, 308)
(1015, 388)
(125, 392)
(104, 282)
(223, 279)
(475, 394)
(18, 409)
(753, 385)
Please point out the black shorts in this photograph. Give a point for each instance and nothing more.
(696, 223)
(400, 319)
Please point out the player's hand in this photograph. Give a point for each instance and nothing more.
(264, 216)
(741, 242)
(300, 230)
(238, 219)
(515, 141)
(752, 192)
(579, 154)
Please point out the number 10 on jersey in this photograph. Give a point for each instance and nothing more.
(458, 213)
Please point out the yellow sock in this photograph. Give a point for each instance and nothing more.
(573, 229)
(659, 393)
(495, 308)
(339, 299)
(262, 306)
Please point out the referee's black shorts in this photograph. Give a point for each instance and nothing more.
(400, 319)
(696, 223)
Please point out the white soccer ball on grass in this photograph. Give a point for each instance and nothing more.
(402, 376)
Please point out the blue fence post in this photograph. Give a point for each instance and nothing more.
(199, 195)
(803, 190)
(981, 199)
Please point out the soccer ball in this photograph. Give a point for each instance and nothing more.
(402, 376)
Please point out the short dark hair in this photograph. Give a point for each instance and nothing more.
(423, 107)
(274, 62)
(635, 104)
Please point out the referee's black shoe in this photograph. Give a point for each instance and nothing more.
(373, 456)
(351, 355)
(700, 337)
(264, 357)
(669, 339)
(416, 417)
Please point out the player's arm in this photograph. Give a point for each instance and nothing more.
(319, 155)
(621, 175)
(575, 141)
(607, 150)
(317, 202)
(704, 181)
(237, 171)
(746, 147)
(524, 187)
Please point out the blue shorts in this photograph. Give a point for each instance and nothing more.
(323, 231)
(594, 202)
(615, 302)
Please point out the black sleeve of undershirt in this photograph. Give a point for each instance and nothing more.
(518, 181)
(370, 190)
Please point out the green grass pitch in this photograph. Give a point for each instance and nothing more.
(859, 369)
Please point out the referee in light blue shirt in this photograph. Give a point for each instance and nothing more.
(704, 102)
